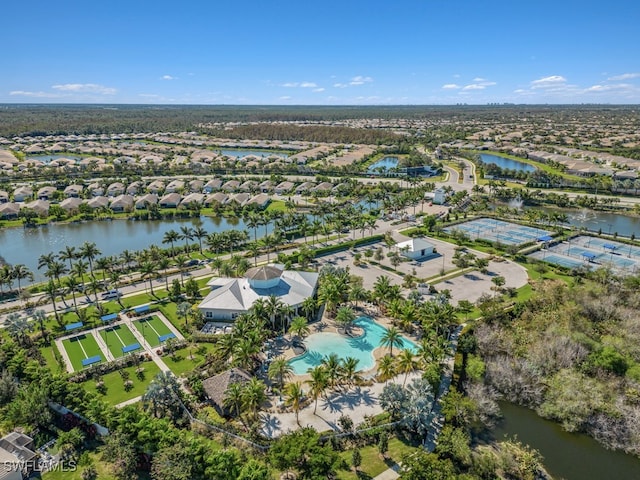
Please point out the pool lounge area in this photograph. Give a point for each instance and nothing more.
(322, 344)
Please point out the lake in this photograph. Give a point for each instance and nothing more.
(241, 152)
(385, 164)
(112, 237)
(506, 163)
(50, 158)
(566, 455)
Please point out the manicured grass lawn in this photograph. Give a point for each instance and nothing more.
(116, 393)
(180, 362)
(372, 464)
(151, 328)
(117, 337)
(49, 357)
(81, 347)
(276, 206)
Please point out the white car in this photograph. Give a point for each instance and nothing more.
(111, 294)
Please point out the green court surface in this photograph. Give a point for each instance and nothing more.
(152, 328)
(80, 347)
(117, 337)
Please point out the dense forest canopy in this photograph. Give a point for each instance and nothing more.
(40, 119)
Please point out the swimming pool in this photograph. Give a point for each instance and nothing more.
(321, 345)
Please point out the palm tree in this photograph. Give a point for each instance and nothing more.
(331, 366)
(183, 310)
(181, 262)
(318, 383)
(294, 398)
(386, 367)
(21, 272)
(299, 327)
(46, 259)
(148, 270)
(79, 270)
(350, 370)
(345, 318)
(69, 254)
(309, 306)
(254, 395)
(199, 232)
(186, 235)
(163, 395)
(280, 370)
(391, 338)
(40, 316)
(273, 307)
(406, 364)
(52, 292)
(171, 237)
(233, 399)
(72, 285)
(89, 251)
(17, 326)
(163, 265)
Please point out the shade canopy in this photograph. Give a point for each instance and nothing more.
(91, 360)
(73, 326)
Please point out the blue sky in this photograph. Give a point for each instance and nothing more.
(321, 53)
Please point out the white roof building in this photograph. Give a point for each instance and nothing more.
(231, 297)
(415, 248)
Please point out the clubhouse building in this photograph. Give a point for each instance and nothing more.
(230, 297)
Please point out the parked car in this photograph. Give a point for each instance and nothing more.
(111, 294)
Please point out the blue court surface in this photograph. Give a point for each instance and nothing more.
(592, 253)
(499, 231)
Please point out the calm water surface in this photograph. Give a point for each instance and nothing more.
(507, 163)
(386, 163)
(25, 245)
(566, 455)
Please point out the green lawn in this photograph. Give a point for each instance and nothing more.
(101, 467)
(180, 362)
(117, 337)
(49, 357)
(372, 463)
(151, 328)
(116, 393)
(81, 347)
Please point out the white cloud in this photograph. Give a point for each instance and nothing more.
(618, 87)
(546, 82)
(148, 95)
(360, 80)
(168, 77)
(624, 76)
(23, 93)
(299, 85)
(474, 86)
(340, 85)
(85, 88)
(285, 97)
(451, 86)
(318, 90)
(479, 79)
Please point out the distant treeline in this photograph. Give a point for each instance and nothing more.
(33, 119)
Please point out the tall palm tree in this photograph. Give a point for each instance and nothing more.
(171, 237)
(280, 370)
(183, 310)
(79, 269)
(162, 396)
(294, 398)
(391, 338)
(331, 364)
(72, 285)
(40, 316)
(46, 259)
(345, 316)
(163, 265)
(89, 251)
(386, 367)
(148, 271)
(68, 254)
(406, 364)
(273, 307)
(199, 232)
(318, 383)
(52, 292)
(349, 370)
(21, 272)
(181, 262)
(186, 235)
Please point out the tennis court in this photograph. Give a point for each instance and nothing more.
(116, 338)
(152, 328)
(498, 231)
(592, 252)
(81, 348)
